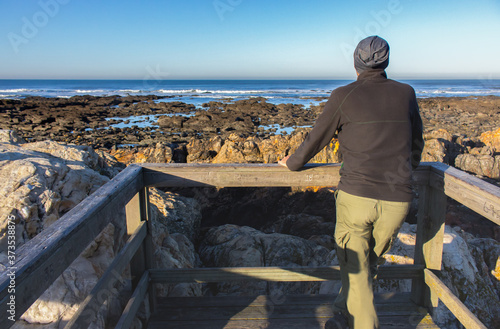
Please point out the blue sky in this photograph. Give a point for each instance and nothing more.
(244, 39)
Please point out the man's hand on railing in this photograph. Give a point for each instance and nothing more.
(283, 161)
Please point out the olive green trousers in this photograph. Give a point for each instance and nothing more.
(364, 231)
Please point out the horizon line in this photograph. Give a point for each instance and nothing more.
(247, 79)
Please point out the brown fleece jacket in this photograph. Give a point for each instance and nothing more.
(380, 135)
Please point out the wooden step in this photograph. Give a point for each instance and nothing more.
(291, 311)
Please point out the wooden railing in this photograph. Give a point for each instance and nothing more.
(42, 260)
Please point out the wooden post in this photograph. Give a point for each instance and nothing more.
(430, 233)
(133, 213)
(148, 244)
(138, 210)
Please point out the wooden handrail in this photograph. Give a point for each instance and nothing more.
(463, 314)
(274, 274)
(41, 260)
(472, 192)
(249, 175)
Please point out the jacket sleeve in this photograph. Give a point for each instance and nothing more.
(417, 145)
(322, 133)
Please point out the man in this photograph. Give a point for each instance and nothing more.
(379, 129)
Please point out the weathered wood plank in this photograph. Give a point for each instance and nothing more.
(133, 214)
(247, 175)
(389, 299)
(114, 272)
(41, 260)
(240, 175)
(149, 249)
(476, 194)
(308, 323)
(463, 314)
(269, 311)
(298, 311)
(419, 289)
(130, 311)
(276, 274)
(429, 240)
(272, 309)
(134, 219)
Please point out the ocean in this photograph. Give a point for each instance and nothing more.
(198, 92)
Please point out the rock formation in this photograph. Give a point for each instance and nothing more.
(40, 182)
(483, 159)
(478, 156)
(176, 221)
(236, 246)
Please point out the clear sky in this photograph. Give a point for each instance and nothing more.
(244, 39)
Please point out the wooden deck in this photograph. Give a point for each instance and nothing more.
(41, 260)
(292, 311)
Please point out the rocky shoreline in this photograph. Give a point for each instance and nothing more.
(460, 131)
(114, 121)
(107, 122)
(67, 149)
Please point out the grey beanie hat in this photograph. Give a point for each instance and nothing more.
(371, 53)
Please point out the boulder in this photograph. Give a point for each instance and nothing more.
(440, 134)
(175, 221)
(470, 278)
(37, 187)
(479, 164)
(251, 150)
(301, 225)
(275, 148)
(176, 121)
(179, 214)
(203, 151)
(492, 139)
(39, 182)
(233, 246)
(435, 151)
(234, 148)
(159, 153)
(442, 146)
(80, 154)
(230, 153)
(108, 165)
